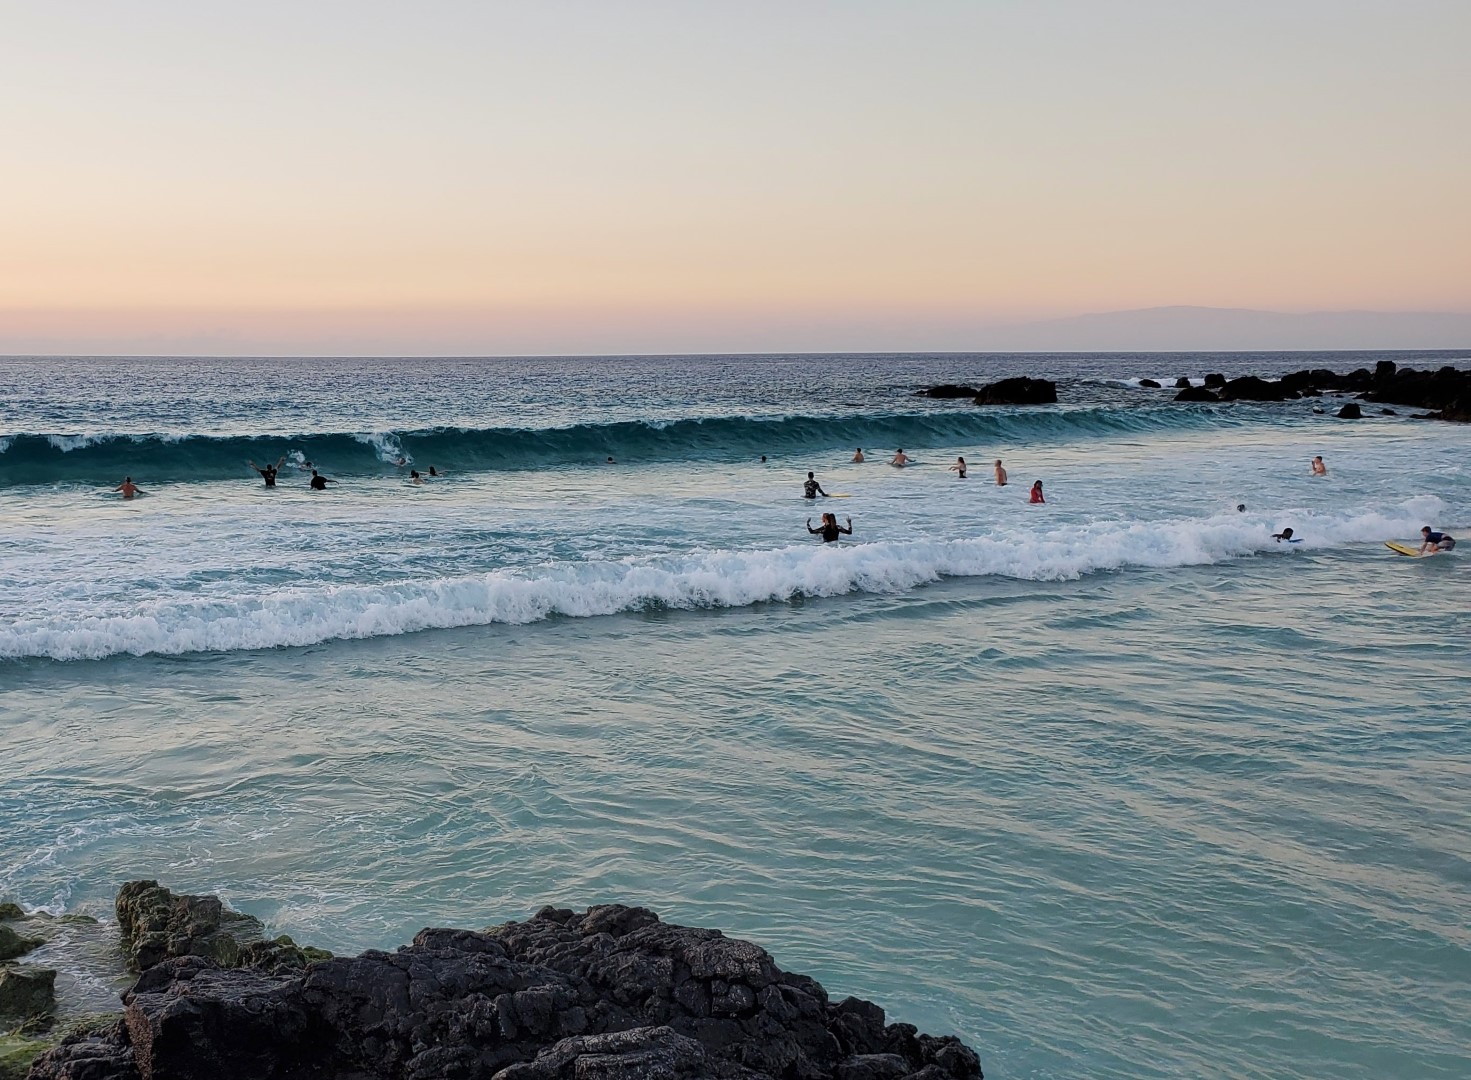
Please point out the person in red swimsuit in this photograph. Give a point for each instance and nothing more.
(1037, 493)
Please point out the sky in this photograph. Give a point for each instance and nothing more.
(600, 177)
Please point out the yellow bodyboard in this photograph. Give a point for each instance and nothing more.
(1403, 549)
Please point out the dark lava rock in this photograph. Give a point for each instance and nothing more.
(13, 944)
(1387, 412)
(1196, 393)
(1215, 380)
(1149, 384)
(27, 991)
(1021, 391)
(1250, 388)
(1182, 383)
(608, 994)
(1351, 411)
(1447, 391)
(949, 390)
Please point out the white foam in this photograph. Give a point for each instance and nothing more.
(390, 452)
(308, 615)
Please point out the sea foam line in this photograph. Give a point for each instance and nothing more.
(307, 615)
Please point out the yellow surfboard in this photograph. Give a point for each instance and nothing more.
(1403, 549)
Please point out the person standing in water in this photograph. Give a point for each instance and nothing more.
(901, 459)
(858, 456)
(830, 529)
(320, 482)
(1436, 541)
(959, 467)
(1037, 493)
(1319, 469)
(1000, 474)
(129, 489)
(268, 474)
(811, 489)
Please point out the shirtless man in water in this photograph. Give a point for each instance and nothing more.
(900, 459)
(1000, 474)
(1319, 469)
(128, 488)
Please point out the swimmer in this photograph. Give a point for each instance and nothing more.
(900, 459)
(268, 474)
(763, 459)
(858, 456)
(1037, 493)
(611, 461)
(129, 489)
(401, 462)
(434, 472)
(1436, 541)
(1285, 534)
(1319, 469)
(1000, 474)
(830, 529)
(1241, 508)
(320, 482)
(811, 489)
(959, 467)
(414, 477)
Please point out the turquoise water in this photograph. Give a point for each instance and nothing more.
(1114, 787)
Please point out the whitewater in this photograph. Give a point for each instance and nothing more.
(1145, 791)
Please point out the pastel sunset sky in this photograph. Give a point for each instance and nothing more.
(480, 177)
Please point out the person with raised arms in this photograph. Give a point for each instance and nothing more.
(268, 474)
(830, 530)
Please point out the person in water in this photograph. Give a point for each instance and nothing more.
(1241, 508)
(268, 474)
(1000, 474)
(811, 489)
(858, 456)
(128, 488)
(434, 472)
(830, 530)
(1319, 469)
(901, 459)
(1285, 534)
(763, 459)
(320, 482)
(1436, 541)
(1037, 493)
(414, 477)
(959, 467)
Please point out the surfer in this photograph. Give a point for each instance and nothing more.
(320, 482)
(1285, 534)
(1436, 541)
(900, 459)
(1000, 474)
(858, 456)
(1037, 493)
(1319, 469)
(129, 489)
(830, 529)
(959, 467)
(268, 474)
(811, 489)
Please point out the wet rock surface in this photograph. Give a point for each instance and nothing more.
(1021, 391)
(611, 993)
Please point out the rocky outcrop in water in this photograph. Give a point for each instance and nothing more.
(1446, 392)
(611, 993)
(949, 390)
(1020, 391)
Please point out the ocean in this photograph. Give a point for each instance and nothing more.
(1115, 786)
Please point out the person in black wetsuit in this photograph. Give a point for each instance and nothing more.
(320, 482)
(830, 529)
(268, 474)
(812, 489)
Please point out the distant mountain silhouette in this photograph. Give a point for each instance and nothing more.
(1171, 329)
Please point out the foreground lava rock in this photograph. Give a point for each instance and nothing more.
(608, 994)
